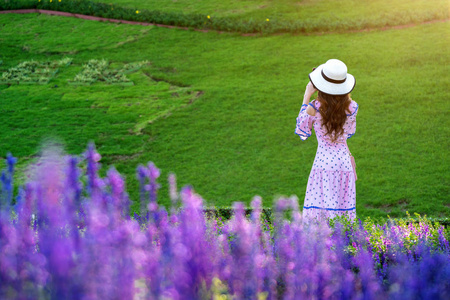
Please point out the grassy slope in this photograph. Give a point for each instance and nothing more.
(113, 116)
(237, 140)
(330, 11)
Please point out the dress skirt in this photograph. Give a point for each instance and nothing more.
(330, 191)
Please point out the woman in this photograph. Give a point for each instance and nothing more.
(331, 184)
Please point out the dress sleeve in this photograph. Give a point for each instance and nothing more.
(304, 123)
(352, 120)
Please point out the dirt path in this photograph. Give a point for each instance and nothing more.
(92, 18)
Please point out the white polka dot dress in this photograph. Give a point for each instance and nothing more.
(331, 185)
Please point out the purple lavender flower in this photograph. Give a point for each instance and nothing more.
(58, 244)
(154, 173)
(92, 157)
(6, 178)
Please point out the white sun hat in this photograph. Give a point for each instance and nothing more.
(332, 78)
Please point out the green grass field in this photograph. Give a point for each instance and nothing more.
(327, 11)
(219, 109)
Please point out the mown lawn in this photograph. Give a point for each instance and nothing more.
(219, 109)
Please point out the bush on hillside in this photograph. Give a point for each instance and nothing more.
(199, 21)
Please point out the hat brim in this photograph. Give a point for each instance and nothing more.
(329, 87)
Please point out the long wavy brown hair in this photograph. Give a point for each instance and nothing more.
(334, 109)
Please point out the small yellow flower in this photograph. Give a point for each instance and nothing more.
(267, 20)
(137, 11)
(59, 0)
(209, 17)
(262, 296)
(50, 1)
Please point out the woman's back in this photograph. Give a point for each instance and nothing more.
(306, 121)
(349, 125)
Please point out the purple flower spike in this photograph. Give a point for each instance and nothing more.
(148, 186)
(119, 196)
(154, 171)
(256, 209)
(11, 160)
(282, 204)
(369, 287)
(154, 186)
(116, 182)
(92, 157)
(142, 172)
(141, 175)
(73, 180)
(296, 215)
(6, 192)
(190, 199)
(238, 208)
(443, 242)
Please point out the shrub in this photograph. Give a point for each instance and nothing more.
(98, 70)
(34, 71)
(219, 23)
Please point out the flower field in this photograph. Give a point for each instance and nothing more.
(67, 234)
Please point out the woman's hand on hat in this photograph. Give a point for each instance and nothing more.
(310, 89)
